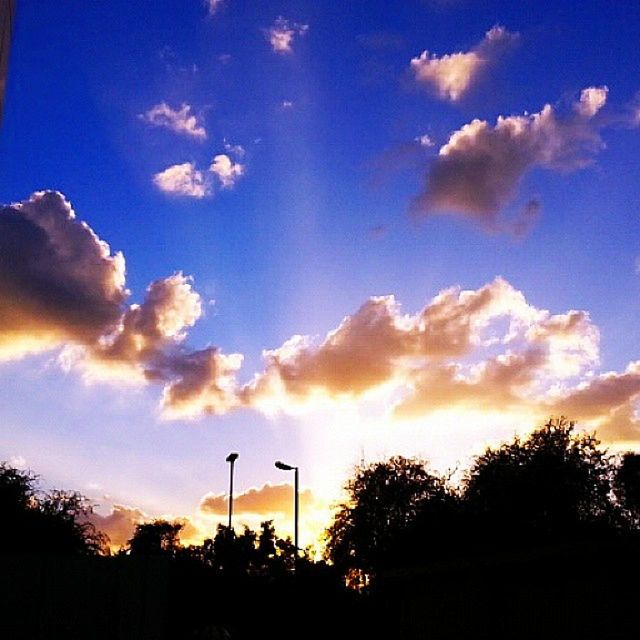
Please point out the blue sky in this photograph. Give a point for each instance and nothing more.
(318, 144)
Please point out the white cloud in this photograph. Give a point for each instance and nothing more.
(183, 180)
(227, 171)
(282, 34)
(451, 75)
(236, 149)
(18, 462)
(592, 99)
(425, 140)
(180, 121)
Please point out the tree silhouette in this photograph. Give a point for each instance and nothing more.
(383, 500)
(157, 538)
(54, 522)
(553, 482)
(627, 486)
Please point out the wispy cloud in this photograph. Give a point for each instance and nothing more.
(425, 140)
(452, 75)
(181, 121)
(282, 32)
(214, 6)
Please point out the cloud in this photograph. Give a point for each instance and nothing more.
(58, 281)
(148, 347)
(452, 75)
(379, 344)
(425, 140)
(227, 171)
(18, 462)
(282, 34)
(184, 180)
(214, 6)
(61, 287)
(181, 120)
(478, 171)
(592, 99)
(486, 350)
(119, 524)
(188, 181)
(270, 499)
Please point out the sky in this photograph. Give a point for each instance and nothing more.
(322, 233)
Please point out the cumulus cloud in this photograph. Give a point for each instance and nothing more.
(478, 171)
(184, 180)
(282, 34)
(61, 287)
(486, 350)
(270, 499)
(58, 281)
(181, 120)
(227, 171)
(119, 524)
(188, 181)
(451, 75)
(592, 99)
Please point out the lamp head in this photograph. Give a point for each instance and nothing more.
(284, 467)
(232, 457)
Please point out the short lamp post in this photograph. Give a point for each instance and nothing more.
(287, 467)
(231, 458)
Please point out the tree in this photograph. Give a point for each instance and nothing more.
(157, 538)
(627, 486)
(54, 522)
(555, 482)
(383, 500)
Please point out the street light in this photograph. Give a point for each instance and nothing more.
(231, 458)
(287, 467)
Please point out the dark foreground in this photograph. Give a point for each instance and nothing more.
(587, 591)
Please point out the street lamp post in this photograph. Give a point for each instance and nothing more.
(231, 458)
(287, 467)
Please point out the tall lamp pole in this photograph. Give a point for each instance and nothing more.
(231, 458)
(296, 506)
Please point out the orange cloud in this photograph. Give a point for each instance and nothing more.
(264, 501)
(61, 287)
(58, 281)
(452, 75)
(119, 525)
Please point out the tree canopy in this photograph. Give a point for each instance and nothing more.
(553, 483)
(383, 499)
(38, 522)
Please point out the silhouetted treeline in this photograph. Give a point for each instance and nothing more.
(556, 485)
(532, 531)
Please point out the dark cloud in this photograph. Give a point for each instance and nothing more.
(58, 280)
(478, 171)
